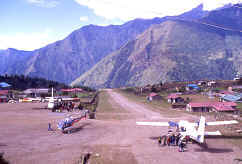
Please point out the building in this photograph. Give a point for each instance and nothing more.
(72, 90)
(3, 96)
(36, 92)
(211, 107)
(232, 98)
(202, 83)
(4, 85)
(211, 83)
(154, 96)
(192, 87)
(3, 99)
(174, 98)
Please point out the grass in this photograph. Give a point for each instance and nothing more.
(86, 94)
(239, 106)
(108, 109)
(160, 106)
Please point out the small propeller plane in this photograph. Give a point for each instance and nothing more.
(196, 131)
(69, 121)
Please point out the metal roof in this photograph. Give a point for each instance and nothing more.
(232, 98)
(4, 85)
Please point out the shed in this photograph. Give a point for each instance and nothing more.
(202, 83)
(198, 107)
(3, 92)
(232, 98)
(36, 92)
(154, 96)
(211, 83)
(72, 90)
(4, 85)
(174, 98)
(192, 87)
(3, 99)
(222, 108)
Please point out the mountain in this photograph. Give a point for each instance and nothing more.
(194, 14)
(12, 61)
(175, 50)
(65, 60)
(229, 17)
(69, 58)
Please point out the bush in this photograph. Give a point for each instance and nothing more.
(129, 89)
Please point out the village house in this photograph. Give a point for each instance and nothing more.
(192, 87)
(154, 96)
(211, 107)
(237, 97)
(211, 83)
(36, 92)
(4, 85)
(174, 98)
(3, 96)
(202, 83)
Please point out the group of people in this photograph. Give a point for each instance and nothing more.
(174, 139)
(62, 105)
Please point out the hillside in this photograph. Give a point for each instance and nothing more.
(172, 51)
(229, 17)
(12, 61)
(67, 59)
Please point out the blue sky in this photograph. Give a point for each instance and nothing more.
(31, 24)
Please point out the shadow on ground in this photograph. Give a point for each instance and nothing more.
(77, 129)
(214, 150)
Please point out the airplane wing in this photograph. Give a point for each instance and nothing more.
(222, 122)
(153, 123)
(217, 133)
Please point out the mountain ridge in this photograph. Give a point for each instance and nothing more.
(67, 59)
(188, 46)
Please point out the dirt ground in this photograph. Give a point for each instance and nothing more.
(24, 138)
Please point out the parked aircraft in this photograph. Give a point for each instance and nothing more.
(65, 124)
(196, 131)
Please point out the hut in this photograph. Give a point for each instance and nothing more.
(192, 87)
(4, 96)
(232, 98)
(174, 98)
(154, 96)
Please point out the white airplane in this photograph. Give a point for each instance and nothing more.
(195, 131)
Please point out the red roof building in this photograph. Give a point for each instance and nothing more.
(211, 106)
(72, 90)
(152, 94)
(3, 92)
(174, 98)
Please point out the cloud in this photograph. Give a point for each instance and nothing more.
(83, 18)
(26, 41)
(45, 3)
(131, 9)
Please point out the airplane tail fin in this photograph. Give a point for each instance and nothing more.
(201, 130)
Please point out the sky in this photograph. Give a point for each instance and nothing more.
(32, 24)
